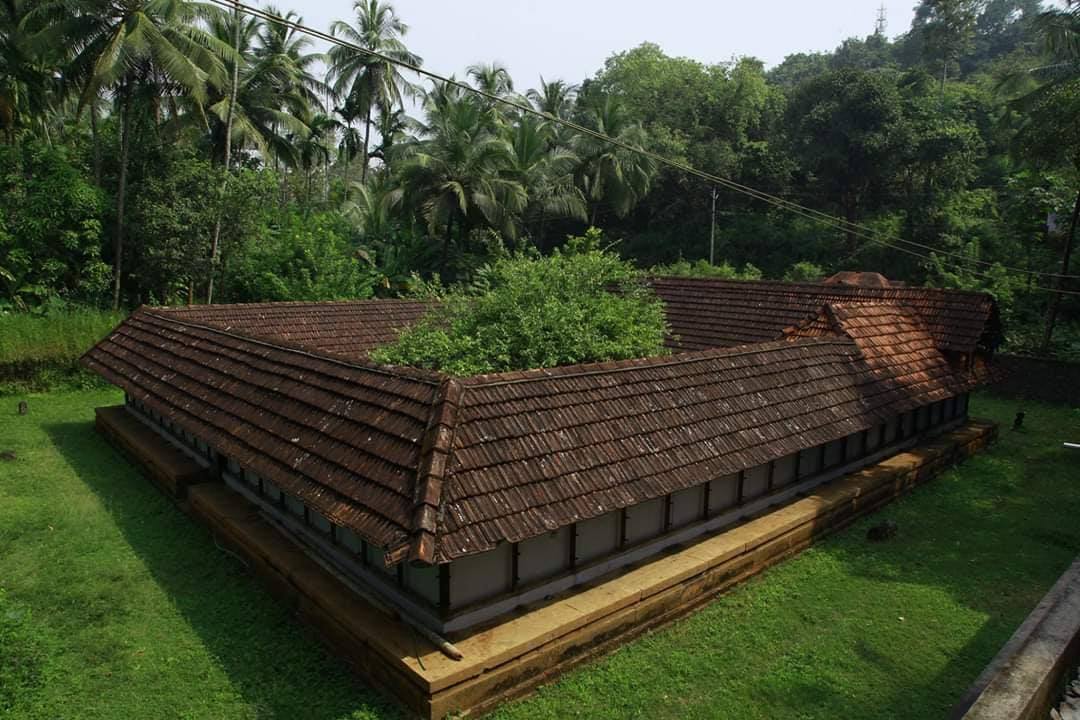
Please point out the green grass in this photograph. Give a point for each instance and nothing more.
(41, 352)
(123, 608)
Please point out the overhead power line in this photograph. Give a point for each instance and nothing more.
(842, 224)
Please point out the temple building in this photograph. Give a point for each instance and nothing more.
(458, 500)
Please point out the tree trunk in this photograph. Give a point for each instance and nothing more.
(215, 243)
(367, 140)
(347, 143)
(446, 245)
(96, 141)
(1055, 298)
(121, 197)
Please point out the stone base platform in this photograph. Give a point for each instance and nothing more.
(537, 644)
(171, 469)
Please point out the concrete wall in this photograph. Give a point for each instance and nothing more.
(755, 482)
(809, 462)
(644, 521)
(598, 537)
(423, 581)
(544, 556)
(687, 506)
(478, 577)
(784, 471)
(723, 493)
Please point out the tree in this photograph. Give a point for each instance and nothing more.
(612, 174)
(1050, 134)
(140, 49)
(370, 83)
(50, 227)
(314, 147)
(555, 98)
(454, 174)
(847, 132)
(546, 172)
(947, 29)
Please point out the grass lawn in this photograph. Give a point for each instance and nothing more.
(115, 605)
(41, 352)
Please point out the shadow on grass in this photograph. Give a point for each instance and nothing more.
(993, 536)
(278, 666)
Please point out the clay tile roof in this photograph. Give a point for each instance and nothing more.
(433, 468)
(861, 279)
(343, 437)
(704, 313)
(349, 329)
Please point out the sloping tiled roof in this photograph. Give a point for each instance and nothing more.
(349, 329)
(537, 450)
(343, 437)
(434, 468)
(894, 348)
(704, 313)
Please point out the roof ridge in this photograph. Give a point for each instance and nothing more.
(818, 286)
(429, 494)
(615, 366)
(281, 303)
(403, 372)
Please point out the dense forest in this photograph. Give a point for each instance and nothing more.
(173, 151)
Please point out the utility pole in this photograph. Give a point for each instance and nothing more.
(712, 230)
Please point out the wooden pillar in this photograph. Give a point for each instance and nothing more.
(772, 475)
(667, 514)
(742, 484)
(622, 528)
(705, 502)
(573, 546)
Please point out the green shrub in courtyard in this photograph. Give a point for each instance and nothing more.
(578, 305)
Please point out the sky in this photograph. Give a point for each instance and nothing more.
(570, 39)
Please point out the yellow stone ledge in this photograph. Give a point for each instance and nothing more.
(536, 644)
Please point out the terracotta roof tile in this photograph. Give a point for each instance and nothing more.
(433, 468)
(705, 313)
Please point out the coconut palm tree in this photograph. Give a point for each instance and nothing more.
(273, 90)
(455, 173)
(493, 78)
(291, 78)
(137, 50)
(315, 146)
(22, 81)
(371, 84)
(373, 209)
(547, 174)
(555, 98)
(609, 174)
